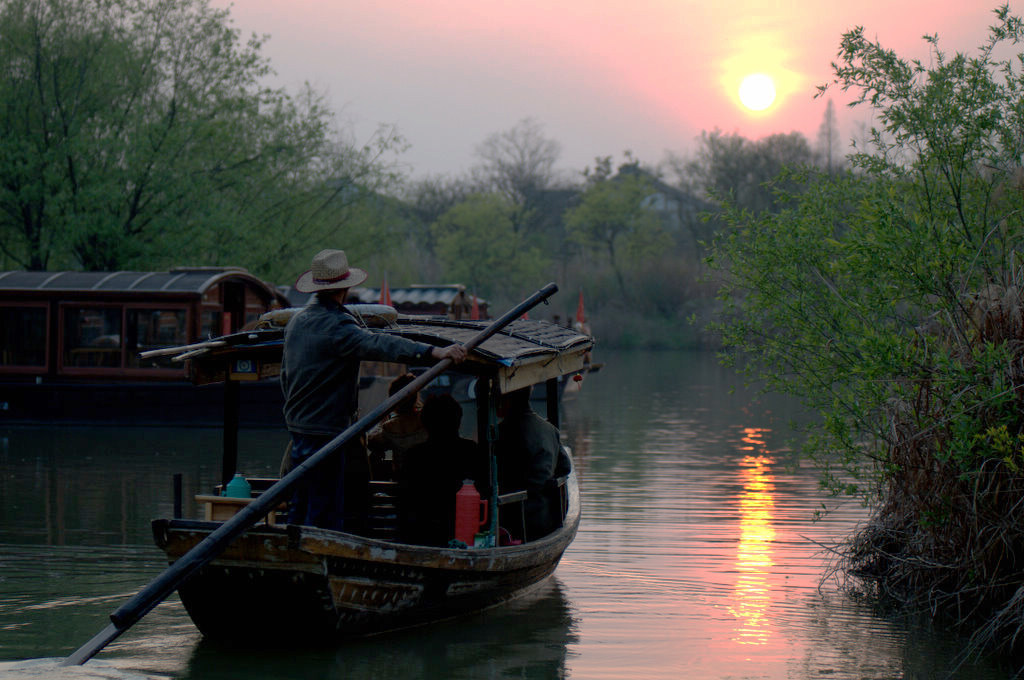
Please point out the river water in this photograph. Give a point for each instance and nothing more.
(698, 555)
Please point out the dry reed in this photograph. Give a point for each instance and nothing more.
(947, 535)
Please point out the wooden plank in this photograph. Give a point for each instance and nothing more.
(524, 375)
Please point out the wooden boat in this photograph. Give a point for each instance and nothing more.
(70, 345)
(285, 581)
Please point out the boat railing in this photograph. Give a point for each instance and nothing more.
(557, 486)
(383, 509)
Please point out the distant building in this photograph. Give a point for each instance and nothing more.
(451, 300)
(680, 210)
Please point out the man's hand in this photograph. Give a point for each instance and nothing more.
(454, 352)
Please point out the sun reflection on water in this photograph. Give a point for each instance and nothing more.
(754, 555)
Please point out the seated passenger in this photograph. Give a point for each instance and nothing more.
(432, 473)
(401, 431)
(529, 452)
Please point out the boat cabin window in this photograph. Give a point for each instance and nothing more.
(150, 328)
(23, 336)
(111, 336)
(92, 337)
(212, 320)
(210, 323)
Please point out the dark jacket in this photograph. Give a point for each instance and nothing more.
(323, 345)
(528, 448)
(530, 454)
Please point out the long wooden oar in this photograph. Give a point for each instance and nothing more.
(166, 583)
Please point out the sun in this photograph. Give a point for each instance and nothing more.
(757, 91)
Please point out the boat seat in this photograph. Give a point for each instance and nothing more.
(555, 489)
(223, 508)
(513, 498)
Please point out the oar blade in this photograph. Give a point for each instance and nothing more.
(93, 646)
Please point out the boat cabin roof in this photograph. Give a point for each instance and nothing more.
(524, 353)
(188, 281)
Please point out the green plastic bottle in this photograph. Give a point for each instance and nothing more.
(238, 487)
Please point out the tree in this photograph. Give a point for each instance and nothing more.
(519, 164)
(134, 129)
(889, 301)
(613, 217)
(476, 243)
(433, 196)
(729, 166)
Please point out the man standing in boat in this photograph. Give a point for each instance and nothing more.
(323, 346)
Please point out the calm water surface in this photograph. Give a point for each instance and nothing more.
(698, 556)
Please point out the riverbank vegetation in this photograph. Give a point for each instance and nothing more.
(890, 299)
(885, 290)
(141, 134)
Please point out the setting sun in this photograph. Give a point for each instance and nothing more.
(757, 91)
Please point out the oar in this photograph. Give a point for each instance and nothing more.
(167, 582)
(164, 351)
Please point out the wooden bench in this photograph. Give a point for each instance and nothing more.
(223, 508)
(555, 491)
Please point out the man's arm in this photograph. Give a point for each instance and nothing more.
(357, 342)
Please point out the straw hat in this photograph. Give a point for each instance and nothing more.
(330, 271)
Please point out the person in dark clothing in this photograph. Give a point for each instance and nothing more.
(433, 472)
(529, 451)
(397, 433)
(323, 345)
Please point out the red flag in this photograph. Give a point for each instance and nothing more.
(474, 311)
(526, 315)
(580, 318)
(385, 293)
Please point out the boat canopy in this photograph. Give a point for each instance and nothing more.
(94, 326)
(195, 280)
(525, 353)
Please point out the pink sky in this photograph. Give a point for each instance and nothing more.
(601, 76)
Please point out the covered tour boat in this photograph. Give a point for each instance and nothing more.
(277, 580)
(73, 345)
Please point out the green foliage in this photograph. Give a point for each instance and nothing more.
(863, 294)
(890, 299)
(477, 244)
(613, 218)
(137, 131)
(519, 164)
(744, 172)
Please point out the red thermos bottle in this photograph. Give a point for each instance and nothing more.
(468, 512)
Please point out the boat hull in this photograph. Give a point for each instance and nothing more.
(313, 584)
(154, 403)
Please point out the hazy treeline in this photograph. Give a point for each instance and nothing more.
(140, 134)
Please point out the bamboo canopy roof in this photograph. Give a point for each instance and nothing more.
(524, 353)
